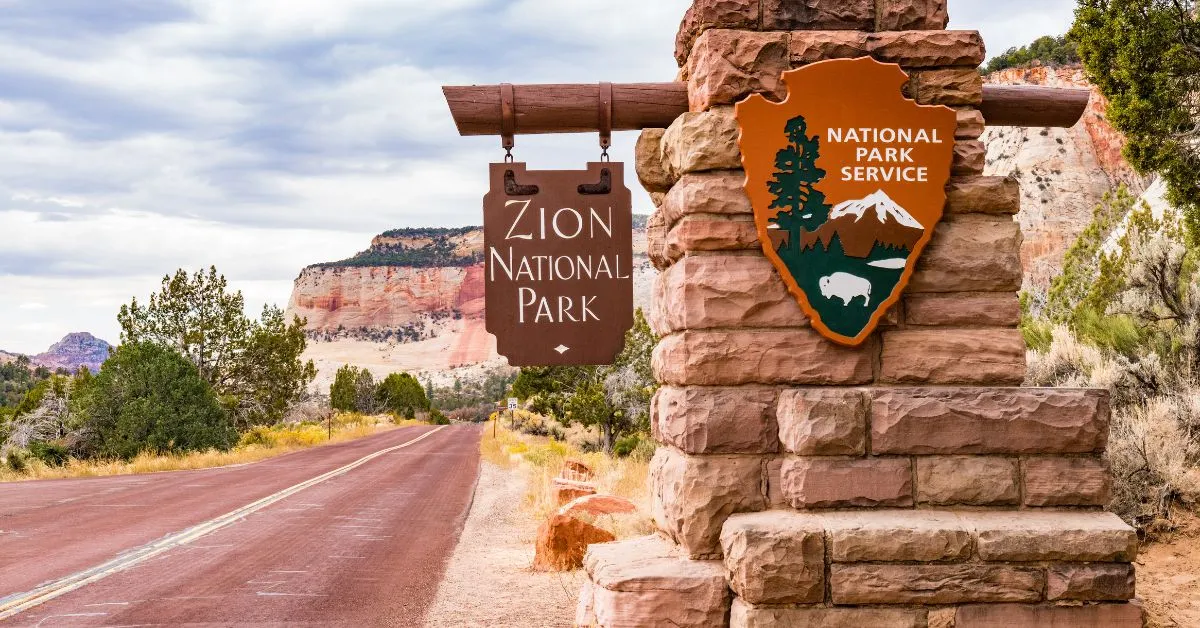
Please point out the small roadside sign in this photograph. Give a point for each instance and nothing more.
(512, 403)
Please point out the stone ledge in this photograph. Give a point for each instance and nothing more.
(1036, 535)
(761, 356)
(934, 584)
(1019, 615)
(746, 615)
(991, 420)
(645, 581)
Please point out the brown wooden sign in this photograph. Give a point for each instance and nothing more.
(847, 178)
(558, 247)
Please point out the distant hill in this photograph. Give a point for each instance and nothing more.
(70, 353)
(419, 248)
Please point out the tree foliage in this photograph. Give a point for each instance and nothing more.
(253, 365)
(147, 397)
(342, 392)
(402, 394)
(1144, 55)
(613, 398)
(1047, 50)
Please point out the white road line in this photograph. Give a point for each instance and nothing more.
(21, 602)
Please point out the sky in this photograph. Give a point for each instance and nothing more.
(261, 136)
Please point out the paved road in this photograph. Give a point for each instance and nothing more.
(366, 547)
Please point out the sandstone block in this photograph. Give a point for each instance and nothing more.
(656, 315)
(705, 291)
(645, 581)
(707, 193)
(773, 470)
(1066, 482)
(963, 309)
(953, 356)
(941, 617)
(1096, 582)
(934, 584)
(970, 124)
(915, 15)
(971, 254)
(1106, 615)
(693, 495)
(847, 483)
(647, 155)
(928, 48)
(785, 356)
(967, 480)
(818, 15)
(744, 615)
(656, 240)
(700, 232)
(775, 557)
(706, 420)
(807, 47)
(702, 141)
(1072, 536)
(970, 156)
(706, 14)
(988, 420)
(725, 66)
(983, 195)
(823, 421)
(947, 86)
(896, 536)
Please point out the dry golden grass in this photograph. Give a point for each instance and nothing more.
(258, 444)
(541, 460)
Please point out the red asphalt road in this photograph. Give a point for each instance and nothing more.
(366, 548)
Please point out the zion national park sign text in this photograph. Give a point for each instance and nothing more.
(847, 178)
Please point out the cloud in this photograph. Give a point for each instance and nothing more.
(138, 136)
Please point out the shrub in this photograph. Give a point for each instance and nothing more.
(437, 418)
(16, 460)
(51, 454)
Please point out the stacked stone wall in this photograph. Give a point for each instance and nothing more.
(909, 481)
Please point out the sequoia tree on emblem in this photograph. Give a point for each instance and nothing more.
(847, 178)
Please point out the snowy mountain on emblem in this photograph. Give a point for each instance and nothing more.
(884, 206)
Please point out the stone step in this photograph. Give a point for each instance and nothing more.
(784, 557)
(647, 582)
(1124, 615)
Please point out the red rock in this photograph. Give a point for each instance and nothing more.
(896, 536)
(1095, 582)
(711, 233)
(702, 141)
(1037, 535)
(775, 557)
(947, 86)
(645, 582)
(847, 483)
(970, 157)
(806, 47)
(719, 193)
(1106, 615)
(934, 584)
(692, 496)
(597, 505)
(991, 356)
(562, 541)
(745, 615)
(928, 48)
(725, 66)
(566, 490)
(818, 15)
(706, 14)
(988, 420)
(963, 309)
(706, 291)
(823, 421)
(983, 195)
(968, 480)
(784, 356)
(914, 15)
(971, 254)
(647, 154)
(1066, 482)
(970, 124)
(656, 240)
(714, 420)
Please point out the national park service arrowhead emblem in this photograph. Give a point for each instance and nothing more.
(848, 180)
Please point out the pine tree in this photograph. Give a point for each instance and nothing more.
(796, 173)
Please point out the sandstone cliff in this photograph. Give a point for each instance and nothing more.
(1063, 172)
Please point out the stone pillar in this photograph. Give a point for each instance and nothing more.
(906, 482)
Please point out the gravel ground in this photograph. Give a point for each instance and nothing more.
(488, 581)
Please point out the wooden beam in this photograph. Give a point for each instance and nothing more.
(1029, 105)
(566, 108)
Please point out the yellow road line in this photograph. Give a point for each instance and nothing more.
(21, 602)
